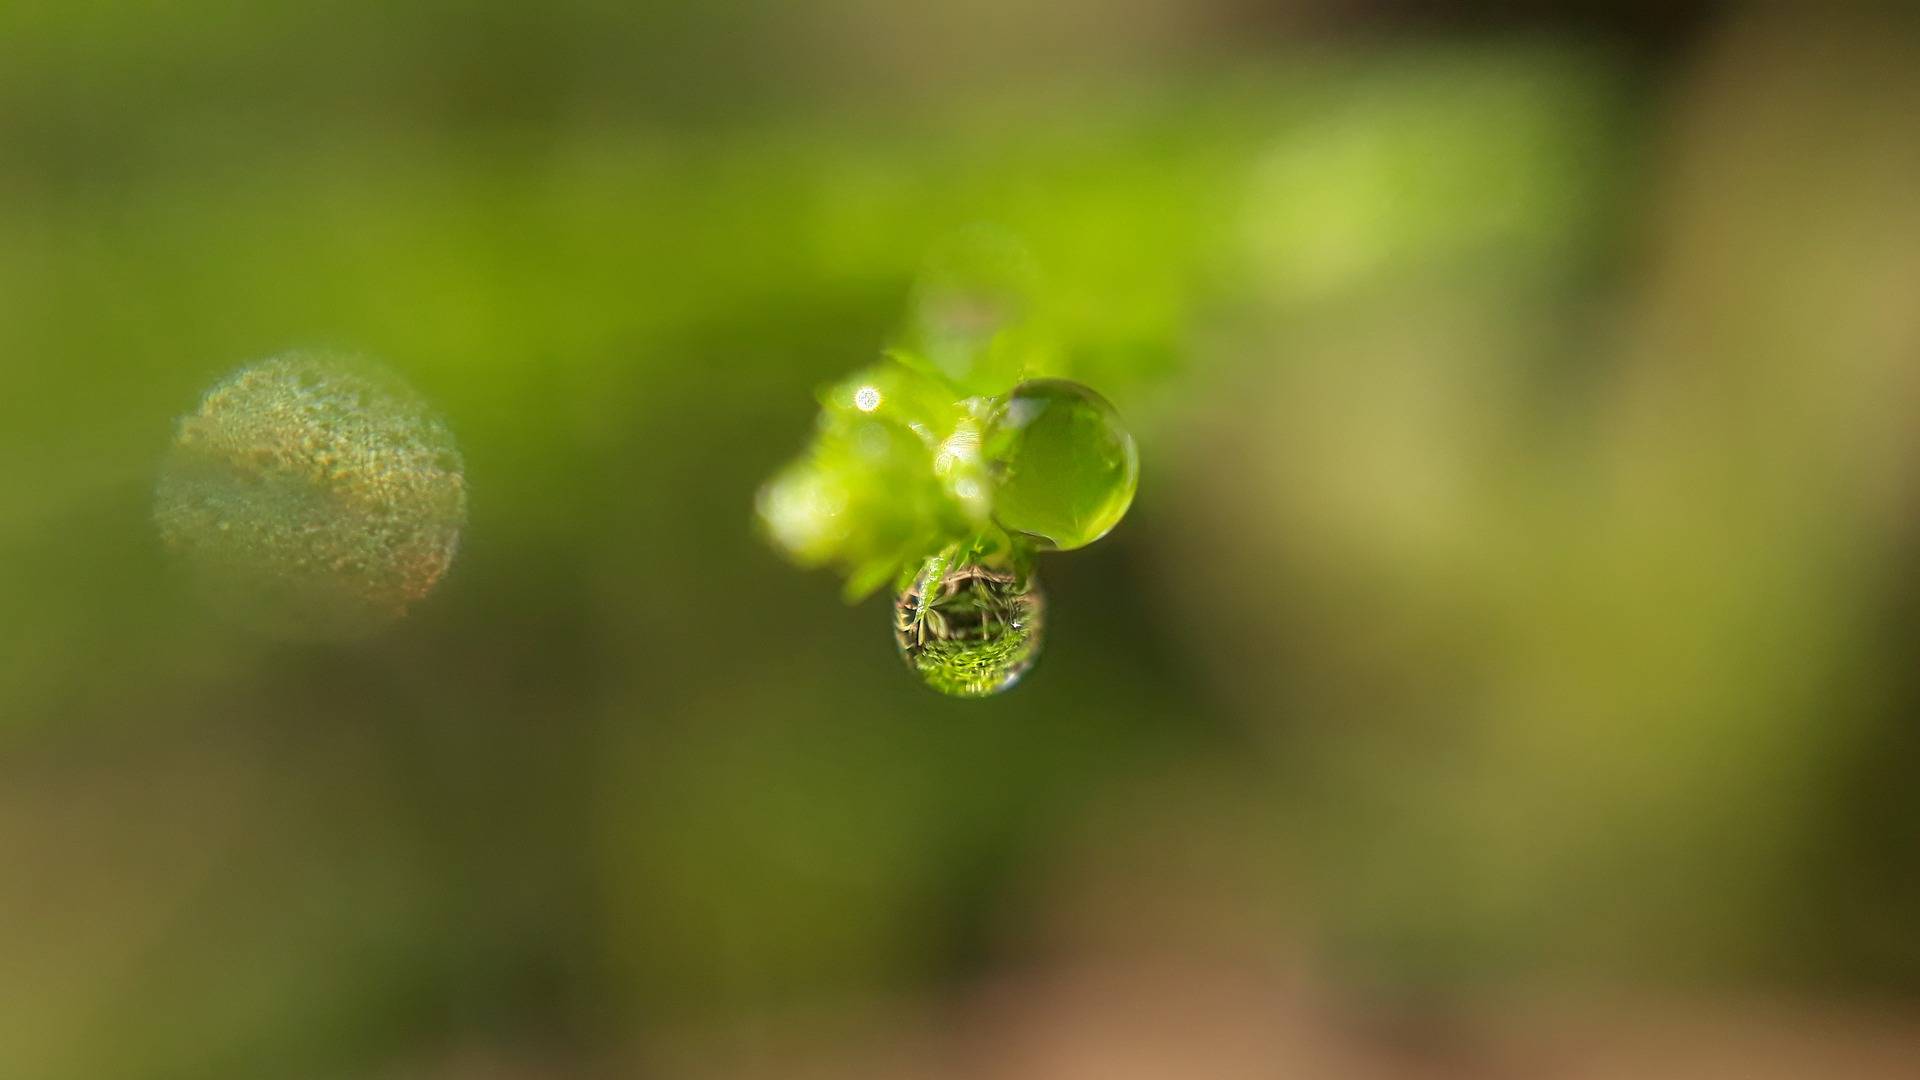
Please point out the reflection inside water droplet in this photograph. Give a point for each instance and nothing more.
(312, 497)
(970, 624)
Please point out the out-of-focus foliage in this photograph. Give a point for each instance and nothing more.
(976, 318)
(1516, 604)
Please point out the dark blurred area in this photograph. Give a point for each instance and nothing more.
(1506, 669)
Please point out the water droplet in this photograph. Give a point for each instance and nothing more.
(313, 497)
(1064, 466)
(971, 623)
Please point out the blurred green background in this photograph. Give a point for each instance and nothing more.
(1505, 670)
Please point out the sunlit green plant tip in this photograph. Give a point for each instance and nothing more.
(941, 469)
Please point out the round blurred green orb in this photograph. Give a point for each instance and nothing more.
(1064, 466)
(314, 496)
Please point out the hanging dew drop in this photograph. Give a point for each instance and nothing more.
(1064, 466)
(970, 625)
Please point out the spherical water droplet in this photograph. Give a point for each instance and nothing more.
(313, 496)
(971, 625)
(1064, 466)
